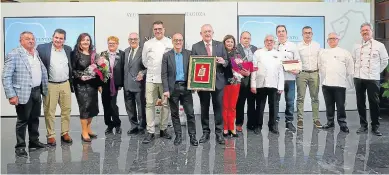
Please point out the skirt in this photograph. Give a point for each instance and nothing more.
(87, 99)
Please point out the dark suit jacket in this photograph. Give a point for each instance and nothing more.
(219, 51)
(239, 50)
(131, 70)
(44, 51)
(117, 68)
(168, 71)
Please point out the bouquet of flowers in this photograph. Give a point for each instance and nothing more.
(100, 68)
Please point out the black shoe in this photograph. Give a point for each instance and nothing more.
(362, 130)
(93, 136)
(86, 140)
(21, 152)
(257, 130)
(344, 129)
(178, 140)
(232, 134)
(226, 134)
(118, 130)
(289, 126)
(376, 132)
(328, 126)
(220, 139)
(193, 141)
(204, 138)
(109, 130)
(133, 131)
(149, 137)
(274, 129)
(36, 145)
(165, 134)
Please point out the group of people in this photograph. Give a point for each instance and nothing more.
(160, 68)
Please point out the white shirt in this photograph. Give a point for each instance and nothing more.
(210, 46)
(289, 52)
(270, 73)
(36, 70)
(309, 54)
(152, 54)
(133, 55)
(336, 67)
(59, 66)
(371, 58)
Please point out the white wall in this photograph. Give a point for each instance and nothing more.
(222, 16)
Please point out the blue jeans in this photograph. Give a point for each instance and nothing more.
(290, 93)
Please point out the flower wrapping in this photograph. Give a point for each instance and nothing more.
(100, 68)
(238, 64)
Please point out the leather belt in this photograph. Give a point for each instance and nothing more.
(180, 82)
(58, 82)
(309, 71)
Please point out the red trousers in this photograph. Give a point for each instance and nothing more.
(230, 98)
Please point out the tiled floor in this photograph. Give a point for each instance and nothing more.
(308, 151)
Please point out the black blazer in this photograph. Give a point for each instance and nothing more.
(44, 51)
(118, 68)
(168, 70)
(219, 51)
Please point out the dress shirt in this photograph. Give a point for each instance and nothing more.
(152, 54)
(112, 57)
(309, 54)
(179, 66)
(133, 55)
(247, 51)
(210, 46)
(336, 67)
(371, 58)
(36, 70)
(270, 72)
(59, 65)
(288, 51)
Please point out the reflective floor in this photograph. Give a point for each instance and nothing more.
(310, 151)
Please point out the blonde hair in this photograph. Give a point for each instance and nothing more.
(113, 38)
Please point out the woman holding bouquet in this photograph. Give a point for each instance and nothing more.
(86, 84)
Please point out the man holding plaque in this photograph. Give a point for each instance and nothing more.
(210, 47)
(175, 64)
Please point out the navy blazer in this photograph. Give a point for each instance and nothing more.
(44, 51)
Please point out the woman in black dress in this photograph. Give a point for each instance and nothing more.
(85, 88)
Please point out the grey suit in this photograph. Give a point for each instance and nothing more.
(134, 91)
(178, 90)
(245, 93)
(217, 95)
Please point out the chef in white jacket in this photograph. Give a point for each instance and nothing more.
(267, 82)
(336, 68)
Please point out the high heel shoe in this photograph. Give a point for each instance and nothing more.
(85, 140)
(233, 134)
(93, 136)
(225, 134)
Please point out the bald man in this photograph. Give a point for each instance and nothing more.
(134, 94)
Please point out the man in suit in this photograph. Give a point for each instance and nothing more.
(210, 47)
(24, 80)
(109, 94)
(134, 94)
(175, 64)
(246, 50)
(56, 58)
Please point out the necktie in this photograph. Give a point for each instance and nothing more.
(208, 50)
(131, 55)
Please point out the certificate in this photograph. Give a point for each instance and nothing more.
(290, 65)
(202, 73)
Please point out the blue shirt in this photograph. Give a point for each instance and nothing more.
(179, 67)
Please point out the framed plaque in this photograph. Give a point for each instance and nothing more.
(202, 73)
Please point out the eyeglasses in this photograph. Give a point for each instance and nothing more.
(178, 40)
(333, 39)
(132, 39)
(269, 41)
(158, 29)
(112, 43)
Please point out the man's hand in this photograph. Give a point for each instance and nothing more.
(85, 78)
(244, 72)
(14, 101)
(280, 91)
(139, 77)
(166, 94)
(100, 89)
(220, 60)
(254, 90)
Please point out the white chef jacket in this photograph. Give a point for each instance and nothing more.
(336, 67)
(309, 55)
(152, 54)
(371, 58)
(270, 71)
(289, 52)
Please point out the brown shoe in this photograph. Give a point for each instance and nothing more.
(300, 124)
(317, 124)
(51, 141)
(66, 138)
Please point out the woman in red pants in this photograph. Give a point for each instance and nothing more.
(231, 90)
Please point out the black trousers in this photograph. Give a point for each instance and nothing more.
(262, 95)
(335, 96)
(245, 94)
(217, 103)
(111, 110)
(183, 96)
(373, 90)
(28, 115)
(135, 107)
